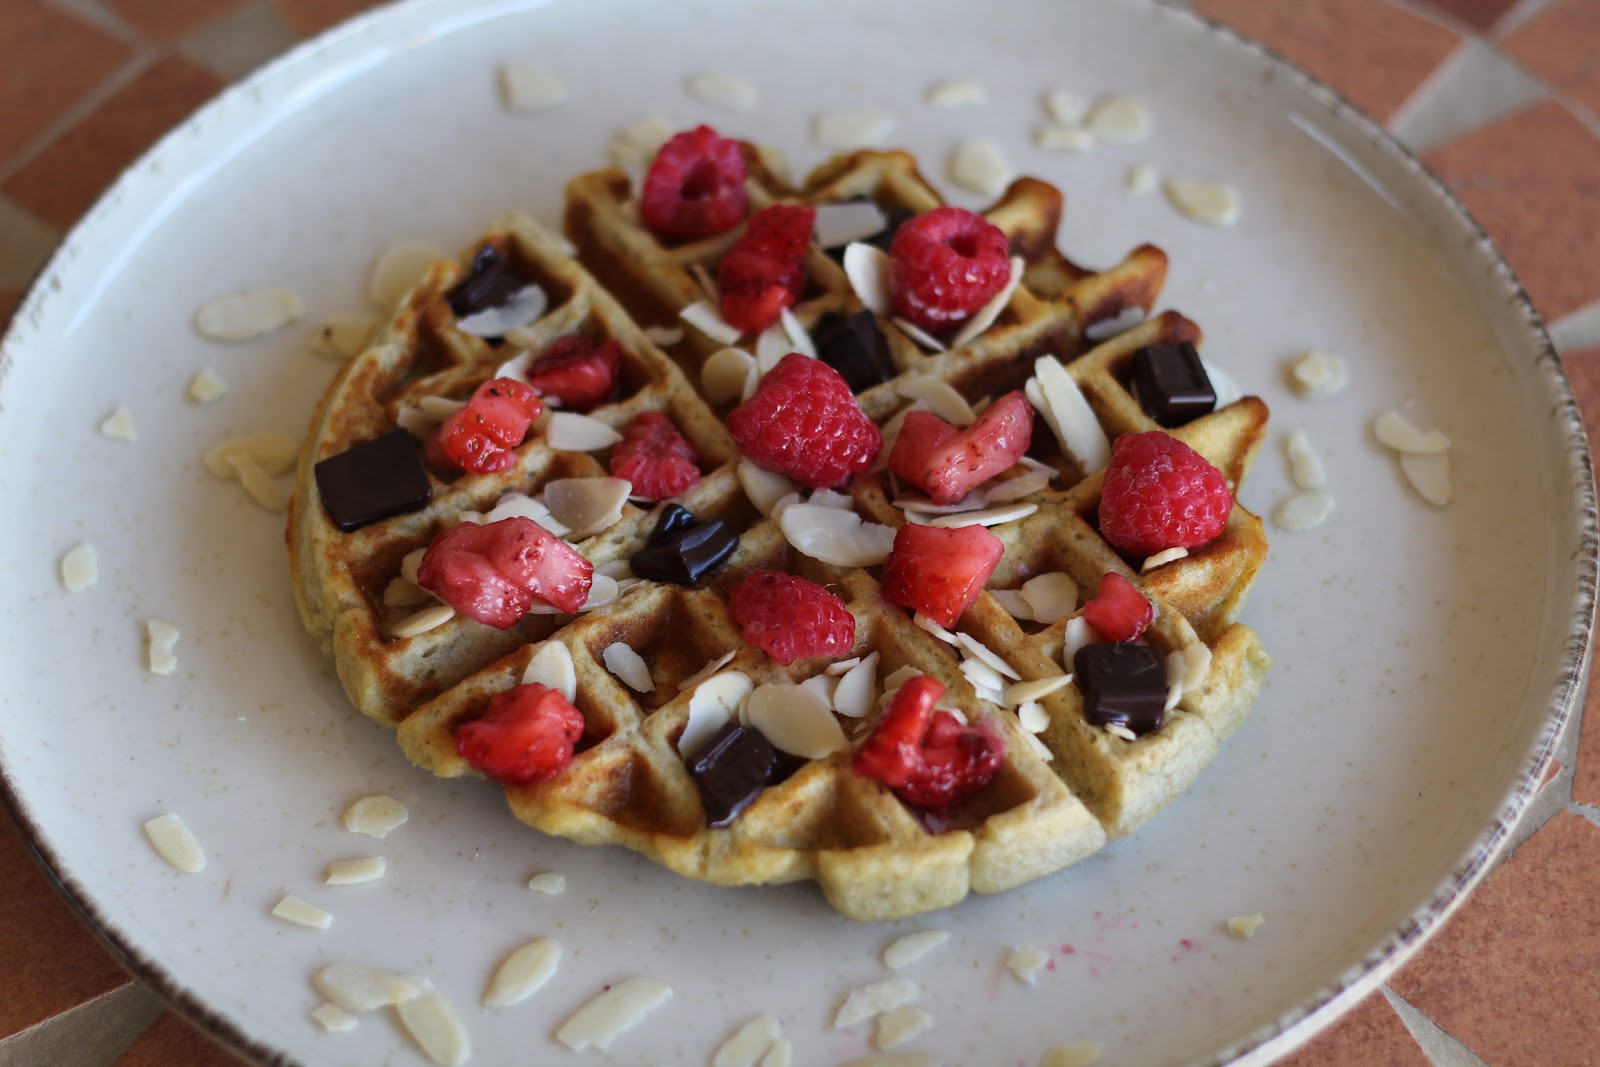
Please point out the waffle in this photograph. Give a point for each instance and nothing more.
(1049, 805)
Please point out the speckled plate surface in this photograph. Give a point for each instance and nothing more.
(1424, 657)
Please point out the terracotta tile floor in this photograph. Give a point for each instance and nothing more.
(86, 84)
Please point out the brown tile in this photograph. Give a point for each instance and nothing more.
(1512, 974)
(1561, 44)
(1374, 53)
(307, 17)
(171, 1040)
(1368, 1035)
(64, 179)
(52, 962)
(52, 60)
(169, 20)
(1479, 14)
(1542, 214)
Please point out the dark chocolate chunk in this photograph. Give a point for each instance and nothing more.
(1171, 383)
(675, 518)
(1124, 684)
(892, 219)
(855, 347)
(372, 481)
(733, 767)
(489, 283)
(689, 552)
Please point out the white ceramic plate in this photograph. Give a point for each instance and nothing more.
(1424, 657)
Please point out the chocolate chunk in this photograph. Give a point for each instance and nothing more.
(733, 767)
(683, 549)
(855, 347)
(490, 282)
(1171, 383)
(1125, 684)
(372, 481)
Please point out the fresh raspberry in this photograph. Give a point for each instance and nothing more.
(928, 758)
(946, 463)
(481, 436)
(575, 374)
(804, 422)
(526, 735)
(1118, 612)
(946, 264)
(790, 618)
(495, 572)
(765, 272)
(939, 571)
(694, 187)
(654, 456)
(1159, 493)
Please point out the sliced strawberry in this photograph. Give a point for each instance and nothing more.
(1119, 612)
(575, 374)
(940, 571)
(926, 757)
(765, 272)
(496, 572)
(946, 463)
(527, 735)
(481, 436)
(654, 457)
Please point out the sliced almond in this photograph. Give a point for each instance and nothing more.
(207, 387)
(799, 337)
(175, 843)
(896, 1027)
(1142, 179)
(621, 660)
(867, 268)
(119, 425)
(978, 650)
(1303, 511)
(246, 316)
(434, 1025)
(333, 1019)
(1070, 415)
(1210, 203)
(1119, 120)
(706, 318)
(1196, 666)
(939, 396)
(1162, 558)
(1317, 373)
(399, 268)
(903, 951)
(835, 535)
(857, 688)
(361, 989)
(748, 1043)
(549, 883)
(587, 506)
(1025, 962)
(781, 1054)
(572, 432)
(1066, 107)
(258, 484)
(551, 666)
(986, 315)
(988, 682)
(985, 516)
(713, 704)
(873, 999)
(1036, 746)
(524, 306)
(292, 909)
(1050, 596)
(1027, 692)
(795, 720)
(1429, 475)
(523, 973)
(80, 567)
(839, 224)
(961, 93)
(1304, 465)
(273, 451)
(1013, 603)
(618, 1008)
(1244, 927)
(355, 872)
(161, 638)
(764, 488)
(840, 130)
(707, 671)
(978, 165)
(525, 88)
(1078, 633)
(723, 374)
(429, 618)
(375, 816)
(1397, 432)
(1022, 485)
(922, 337)
(726, 92)
(1053, 137)
(1031, 715)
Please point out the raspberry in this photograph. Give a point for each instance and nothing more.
(790, 618)
(576, 374)
(804, 422)
(926, 757)
(493, 573)
(526, 735)
(946, 463)
(1118, 612)
(480, 437)
(694, 187)
(946, 264)
(1159, 493)
(939, 571)
(654, 456)
(765, 272)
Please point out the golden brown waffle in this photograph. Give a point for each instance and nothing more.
(628, 784)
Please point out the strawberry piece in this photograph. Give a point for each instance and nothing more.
(1119, 612)
(654, 457)
(1159, 493)
(495, 572)
(928, 758)
(804, 422)
(575, 374)
(946, 264)
(790, 618)
(480, 437)
(939, 571)
(946, 463)
(694, 187)
(765, 272)
(527, 735)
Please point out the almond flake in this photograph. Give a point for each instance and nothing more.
(772, 344)
(513, 505)
(549, 883)
(354, 872)
(119, 425)
(978, 166)
(1397, 432)
(1078, 633)
(896, 1027)
(259, 484)
(1030, 691)
(841, 130)
(525, 88)
(1119, 120)
(982, 652)
(1143, 179)
(516, 367)
(274, 452)
(923, 506)
(724, 91)
(399, 268)
(988, 682)
(747, 1044)
(840, 224)
(598, 1022)
(375, 816)
(822, 687)
(940, 397)
(707, 671)
(413, 421)
(361, 989)
(1011, 600)
(1077, 1054)
(835, 535)
(1429, 475)
(1057, 138)
(1196, 665)
(206, 387)
(985, 516)
(603, 590)
(635, 146)
(933, 627)
(799, 337)
(904, 951)
(246, 316)
(764, 488)
(429, 618)
(715, 701)
(1050, 596)
(1244, 927)
(781, 1054)
(796, 721)
(587, 506)
(162, 638)
(1066, 106)
(291, 909)
(922, 337)
(1211, 203)
(856, 691)
(523, 973)
(1117, 730)
(622, 661)
(963, 93)
(1112, 325)
(343, 336)
(705, 317)
(524, 306)
(1069, 415)
(985, 316)
(867, 268)
(333, 1019)
(551, 666)
(175, 843)
(572, 432)
(1165, 556)
(1036, 746)
(80, 567)
(1317, 374)
(723, 374)
(1304, 465)
(841, 666)
(1032, 716)
(435, 1026)
(1222, 384)
(873, 999)
(1304, 510)
(895, 1059)
(1014, 488)
(1026, 962)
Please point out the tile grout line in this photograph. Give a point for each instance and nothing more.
(115, 83)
